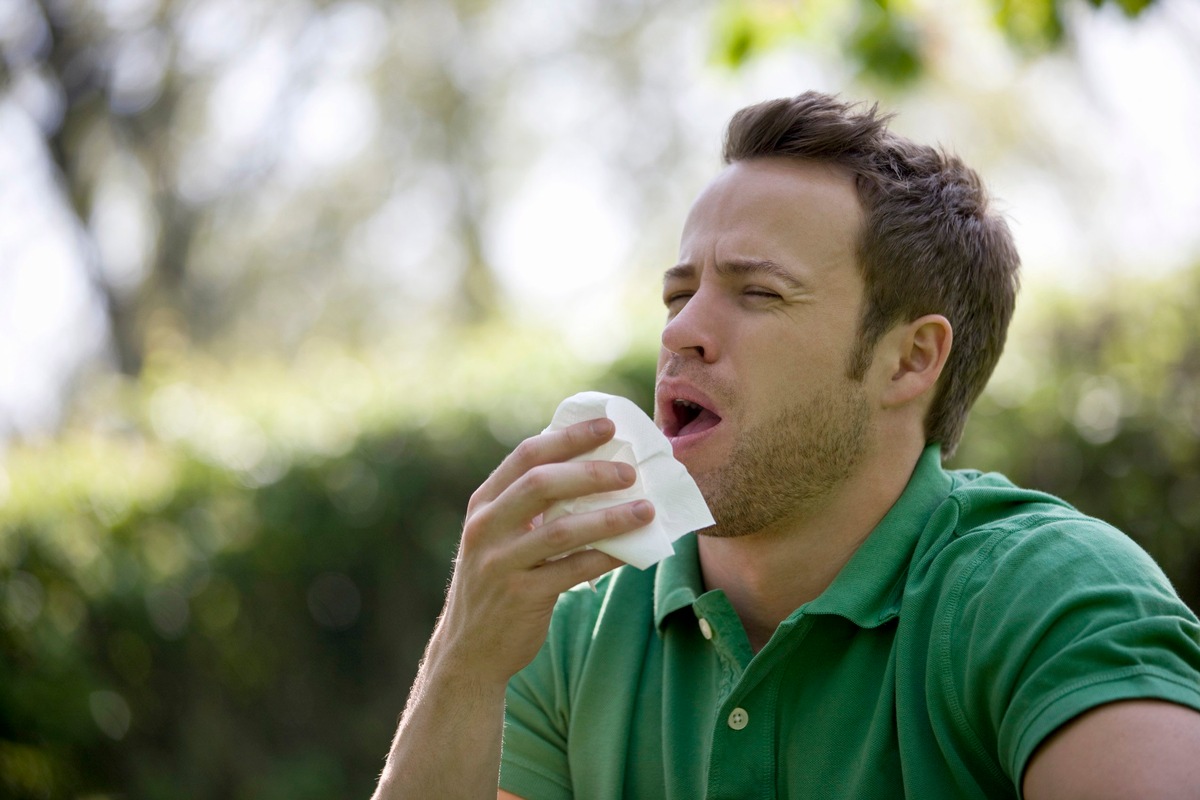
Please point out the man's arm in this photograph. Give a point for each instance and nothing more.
(1125, 750)
(509, 572)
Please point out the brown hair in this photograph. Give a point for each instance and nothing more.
(929, 243)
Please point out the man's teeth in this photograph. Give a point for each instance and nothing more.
(690, 406)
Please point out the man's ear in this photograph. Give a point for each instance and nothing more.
(918, 351)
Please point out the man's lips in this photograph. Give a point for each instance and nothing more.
(684, 410)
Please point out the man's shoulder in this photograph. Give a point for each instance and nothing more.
(1008, 553)
(988, 506)
(985, 497)
(1030, 612)
(996, 533)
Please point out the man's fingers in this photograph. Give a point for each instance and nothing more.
(572, 570)
(544, 448)
(550, 540)
(539, 488)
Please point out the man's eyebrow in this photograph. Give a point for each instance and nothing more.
(739, 266)
(753, 266)
(679, 272)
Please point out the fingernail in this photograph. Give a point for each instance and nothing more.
(600, 427)
(626, 472)
(643, 510)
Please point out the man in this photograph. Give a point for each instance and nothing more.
(859, 622)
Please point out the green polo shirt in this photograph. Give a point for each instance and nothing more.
(973, 621)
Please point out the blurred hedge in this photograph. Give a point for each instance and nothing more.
(172, 626)
(1098, 402)
(235, 642)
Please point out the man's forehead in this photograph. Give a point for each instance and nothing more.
(779, 171)
(772, 214)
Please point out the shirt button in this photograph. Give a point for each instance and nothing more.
(705, 628)
(738, 719)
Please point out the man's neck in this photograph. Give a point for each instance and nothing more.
(769, 574)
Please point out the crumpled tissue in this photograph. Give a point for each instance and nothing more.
(678, 505)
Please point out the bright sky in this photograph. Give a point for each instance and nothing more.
(1123, 133)
(49, 319)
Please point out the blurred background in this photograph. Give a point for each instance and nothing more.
(281, 281)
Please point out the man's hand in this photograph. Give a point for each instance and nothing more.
(511, 567)
(510, 570)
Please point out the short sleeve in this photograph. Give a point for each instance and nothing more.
(1051, 620)
(534, 763)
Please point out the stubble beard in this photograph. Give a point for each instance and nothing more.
(788, 466)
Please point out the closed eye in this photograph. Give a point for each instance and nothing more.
(672, 299)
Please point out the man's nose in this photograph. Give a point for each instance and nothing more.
(692, 332)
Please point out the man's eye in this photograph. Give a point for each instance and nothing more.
(675, 298)
(761, 293)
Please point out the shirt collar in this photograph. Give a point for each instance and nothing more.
(677, 581)
(868, 589)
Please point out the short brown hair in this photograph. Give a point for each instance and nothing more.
(929, 242)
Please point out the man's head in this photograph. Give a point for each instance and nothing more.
(762, 318)
(929, 244)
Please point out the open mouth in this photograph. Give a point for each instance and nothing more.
(687, 418)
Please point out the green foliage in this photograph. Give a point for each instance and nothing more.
(1030, 24)
(886, 40)
(881, 38)
(887, 45)
(1034, 25)
(229, 642)
(745, 30)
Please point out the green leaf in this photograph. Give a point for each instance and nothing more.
(1031, 25)
(887, 47)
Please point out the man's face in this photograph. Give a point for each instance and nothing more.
(762, 316)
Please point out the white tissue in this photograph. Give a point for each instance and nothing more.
(678, 505)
